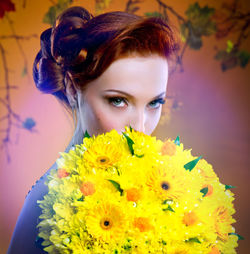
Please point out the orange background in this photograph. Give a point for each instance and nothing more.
(213, 119)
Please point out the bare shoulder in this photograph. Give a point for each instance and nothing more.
(25, 233)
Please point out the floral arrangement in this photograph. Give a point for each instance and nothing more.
(131, 193)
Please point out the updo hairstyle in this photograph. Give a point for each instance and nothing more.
(81, 47)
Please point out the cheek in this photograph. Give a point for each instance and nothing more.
(152, 122)
(104, 120)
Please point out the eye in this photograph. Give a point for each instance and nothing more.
(156, 103)
(118, 102)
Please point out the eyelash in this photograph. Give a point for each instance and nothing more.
(113, 100)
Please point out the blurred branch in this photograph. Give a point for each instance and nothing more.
(18, 37)
(7, 103)
(11, 119)
(167, 7)
(18, 44)
(163, 10)
(231, 18)
(131, 6)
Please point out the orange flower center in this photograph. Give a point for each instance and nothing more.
(106, 223)
(87, 188)
(190, 218)
(168, 148)
(142, 224)
(61, 173)
(214, 250)
(133, 194)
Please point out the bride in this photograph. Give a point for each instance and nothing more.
(110, 71)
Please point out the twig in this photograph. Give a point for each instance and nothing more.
(53, 2)
(11, 87)
(7, 102)
(165, 6)
(18, 37)
(18, 43)
(242, 34)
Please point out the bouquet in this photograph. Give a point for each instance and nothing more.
(131, 193)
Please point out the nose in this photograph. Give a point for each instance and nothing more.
(138, 121)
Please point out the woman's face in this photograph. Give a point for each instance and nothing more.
(129, 93)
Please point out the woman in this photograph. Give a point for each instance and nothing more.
(111, 71)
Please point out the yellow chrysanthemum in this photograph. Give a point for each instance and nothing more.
(106, 222)
(101, 156)
(222, 222)
(143, 144)
(165, 183)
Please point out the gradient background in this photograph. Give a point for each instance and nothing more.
(213, 119)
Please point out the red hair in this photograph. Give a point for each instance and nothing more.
(83, 47)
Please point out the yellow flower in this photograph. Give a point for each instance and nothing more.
(105, 151)
(222, 222)
(144, 145)
(101, 156)
(166, 183)
(106, 222)
(206, 170)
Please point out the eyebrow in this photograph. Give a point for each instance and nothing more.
(129, 95)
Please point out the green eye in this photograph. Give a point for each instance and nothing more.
(117, 102)
(156, 103)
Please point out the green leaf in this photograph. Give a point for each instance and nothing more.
(227, 187)
(130, 128)
(127, 247)
(239, 236)
(177, 141)
(167, 201)
(54, 11)
(116, 185)
(86, 134)
(204, 191)
(81, 198)
(230, 46)
(153, 14)
(199, 23)
(130, 143)
(190, 165)
(193, 240)
(169, 208)
(194, 41)
(139, 156)
(244, 57)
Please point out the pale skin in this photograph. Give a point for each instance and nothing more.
(129, 93)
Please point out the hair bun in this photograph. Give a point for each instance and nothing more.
(67, 37)
(60, 46)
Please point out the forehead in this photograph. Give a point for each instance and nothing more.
(134, 75)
